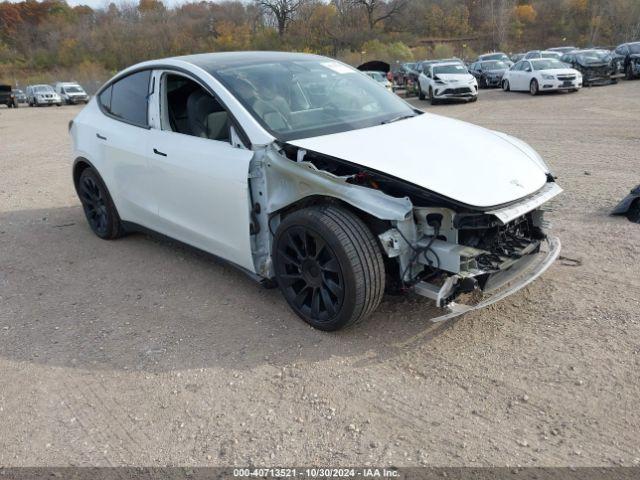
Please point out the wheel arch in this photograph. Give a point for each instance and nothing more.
(79, 165)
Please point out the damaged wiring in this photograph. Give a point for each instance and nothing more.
(416, 254)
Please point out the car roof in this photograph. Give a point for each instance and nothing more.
(220, 60)
(444, 64)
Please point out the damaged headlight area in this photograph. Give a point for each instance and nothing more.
(458, 256)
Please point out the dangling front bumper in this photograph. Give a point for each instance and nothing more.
(499, 285)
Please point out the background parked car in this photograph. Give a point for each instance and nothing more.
(562, 50)
(381, 78)
(596, 66)
(495, 56)
(38, 95)
(488, 73)
(541, 75)
(7, 97)
(20, 96)
(516, 57)
(542, 54)
(447, 81)
(71, 93)
(405, 73)
(627, 59)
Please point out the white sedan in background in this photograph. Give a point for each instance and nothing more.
(541, 75)
(447, 81)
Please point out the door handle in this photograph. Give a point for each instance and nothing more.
(100, 136)
(158, 152)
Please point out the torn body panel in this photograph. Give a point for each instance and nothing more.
(277, 182)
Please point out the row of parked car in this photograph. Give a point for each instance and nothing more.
(560, 68)
(69, 93)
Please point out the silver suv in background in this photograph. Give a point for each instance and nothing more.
(71, 93)
(38, 95)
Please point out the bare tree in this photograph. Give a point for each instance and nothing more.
(282, 10)
(379, 10)
(499, 16)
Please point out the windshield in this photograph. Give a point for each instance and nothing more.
(550, 54)
(73, 89)
(43, 89)
(377, 76)
(593, 56)
(551, 64)
(634, 47)
(495, 56)
(454, 69)
(494, 65)
(307, 98)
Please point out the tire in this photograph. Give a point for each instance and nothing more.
(533, 87)
(474, 99)
(420, 92)
(58, 104)
(98, 206)
(505, 86)
(483, 82)
(629, 72)
(328, 266)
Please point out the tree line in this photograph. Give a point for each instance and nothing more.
(46, 39)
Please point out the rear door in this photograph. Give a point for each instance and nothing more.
(199, 169)
(123, 137)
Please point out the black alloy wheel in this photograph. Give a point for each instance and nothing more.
(310, 273)
(98, 206)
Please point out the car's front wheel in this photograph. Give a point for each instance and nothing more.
(328, 266)
(98, 206)
(432, 98)
(505, 85)
(420, 92)
(533, 87)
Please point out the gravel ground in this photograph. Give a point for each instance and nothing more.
(145, 352)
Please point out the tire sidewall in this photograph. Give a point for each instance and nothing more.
(532, 90)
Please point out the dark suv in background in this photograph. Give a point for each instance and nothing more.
(7, 96)
(627, 59)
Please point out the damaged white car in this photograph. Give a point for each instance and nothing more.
(303, 172)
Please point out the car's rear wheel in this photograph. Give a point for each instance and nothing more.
(328, 266)
(629, 72)
(420, 92)
(98, 206)
(533, 87)
(505, 85)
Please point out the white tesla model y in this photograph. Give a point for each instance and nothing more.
(303, 172)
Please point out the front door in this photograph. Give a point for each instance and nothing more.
(200, 178)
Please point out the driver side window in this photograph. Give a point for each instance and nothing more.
(189, 109)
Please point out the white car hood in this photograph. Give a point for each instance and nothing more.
(455, 77)
(461, 161)
(560, 71)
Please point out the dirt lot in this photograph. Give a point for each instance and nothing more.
(145, 352)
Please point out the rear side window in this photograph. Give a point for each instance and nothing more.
(105, 99)
(126, 99)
